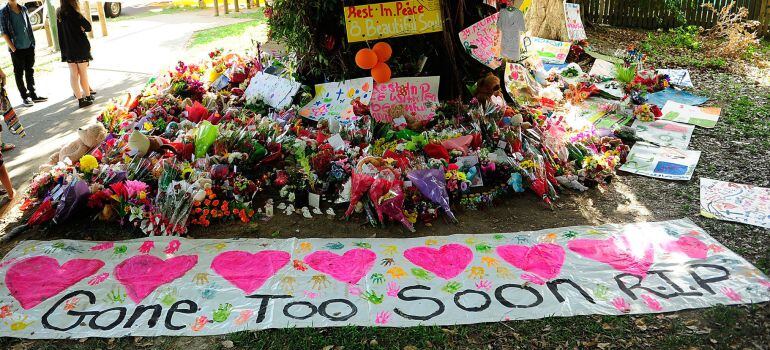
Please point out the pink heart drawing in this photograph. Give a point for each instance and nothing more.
(142, 274)
(616, 253)
(249, 271)
(544, 260)
(348, 268)
(687, 245)
(33, 280)
(446, 262)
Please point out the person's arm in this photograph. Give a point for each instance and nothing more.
(85, 24)
(2, 77)
(9, 42)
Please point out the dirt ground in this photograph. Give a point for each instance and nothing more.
(737, 150)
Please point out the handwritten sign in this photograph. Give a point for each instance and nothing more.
(482, 41)
(273, 90)
(415, 98)
(520, 84)
(706, 117)
(336, 99)
(166, 286)
(661, 162)
(575, 30)
(392, 19)
(735, 202)
(664, 133)
(550, 51)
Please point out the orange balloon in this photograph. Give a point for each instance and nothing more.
(366, 58)
(383, 51)
(381, 73)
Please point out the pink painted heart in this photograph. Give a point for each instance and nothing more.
(33, 280)
(142, 274)
(446, 262)
(349, 267)
(544, 260)
(689, 246)
(615, 252)
(249, 271)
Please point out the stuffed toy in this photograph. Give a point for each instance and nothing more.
(487, 87)
(140, 144)
(89, 137)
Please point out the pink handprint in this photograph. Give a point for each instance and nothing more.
(382, 318)
(146, 247)
(393, 289)
(715, 248)
(243, 317)
(484, 285)
(311, 295)
(621, 304)
(200, 322)
(651, 303)
(103, 246)
(71, 304)
(173, 246)
(765, 283)
(98, 279)
(730, 293)
(354, 290)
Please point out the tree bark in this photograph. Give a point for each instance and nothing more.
(545, 19)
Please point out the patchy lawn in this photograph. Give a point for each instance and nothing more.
(233, 33)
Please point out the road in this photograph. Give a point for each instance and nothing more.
(134, 51)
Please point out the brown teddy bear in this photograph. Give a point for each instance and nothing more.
(487, 87)
(89, 137)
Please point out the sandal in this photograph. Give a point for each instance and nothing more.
(5, 147)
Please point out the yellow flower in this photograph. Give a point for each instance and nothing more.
(88, 163)
(147, 126)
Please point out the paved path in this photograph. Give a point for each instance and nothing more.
(134, 51)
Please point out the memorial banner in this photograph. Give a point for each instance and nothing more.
(482, 41)
(416, 97)
(335, 100)
(392, 19)
(730, 201)
(185, 287)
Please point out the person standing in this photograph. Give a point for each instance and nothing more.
(17, 32)
(75, 49)
(5, 180)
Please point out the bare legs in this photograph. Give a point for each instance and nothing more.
(79, 80)
(6, 180)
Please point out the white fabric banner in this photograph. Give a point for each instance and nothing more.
(176, 286)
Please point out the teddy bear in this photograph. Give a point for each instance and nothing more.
(487, 87)
(89, 137)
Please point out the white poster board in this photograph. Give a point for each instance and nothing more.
(275, 91)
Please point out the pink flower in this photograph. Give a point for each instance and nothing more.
(133, 187)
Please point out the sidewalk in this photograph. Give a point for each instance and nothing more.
(134, 51)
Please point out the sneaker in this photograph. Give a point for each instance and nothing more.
(90, 98)
(28, 102)
(36, 98)
(83, 102)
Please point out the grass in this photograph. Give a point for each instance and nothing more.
(681, 46)
(154, 12)
(208, 36)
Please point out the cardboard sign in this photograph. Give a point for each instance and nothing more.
(550, 51)
(661, 97)
(575, 30)
(661, 162)
(335, 99)
(482, 41)
(730, 201)
(706, 117)
(664, 133)
(417, 96)
(166, 286)
(392, 19)
(273, 90)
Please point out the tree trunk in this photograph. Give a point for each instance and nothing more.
(545, 19)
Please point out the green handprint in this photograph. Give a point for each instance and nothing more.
(169, 298)
(483, 247)
(498, 237)
(335, 246)
(570, 234)
(452, 287)
(116, 296)
(378, 278)
(422, 274)
(120, 250)
(601, 291)
(362, 245)
(223, 312)
(373, 298)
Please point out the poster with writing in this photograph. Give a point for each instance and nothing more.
(392, 19)
(575, 30)
(482, 41)
(706, 117)
(550, 51)
(664, 133)
(275, 91)
(603, 68)
(414, 98)
(335, 99)
(520, 84)
(166, 286)
(661, 162)
(730, 201)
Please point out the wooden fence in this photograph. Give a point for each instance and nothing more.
(653, 14)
